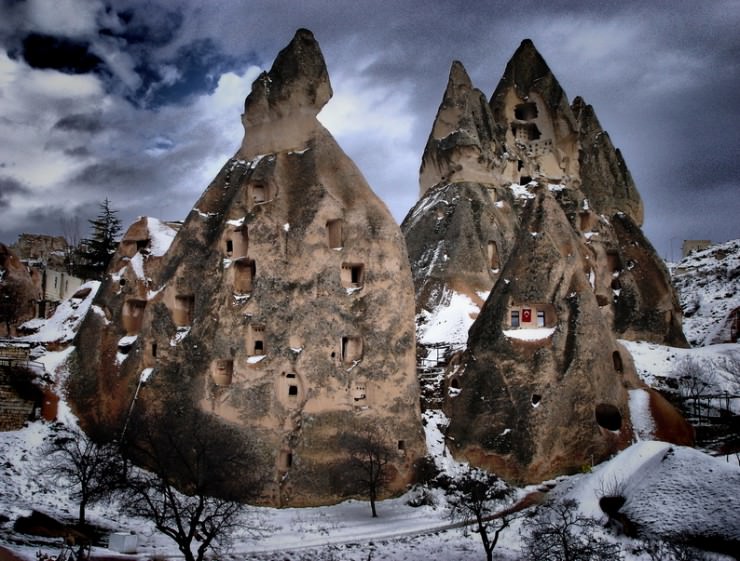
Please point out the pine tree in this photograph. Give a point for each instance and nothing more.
(95, 252)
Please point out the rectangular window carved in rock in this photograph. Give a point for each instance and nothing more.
(292, 390)
(133, 315)
(334, 232)
(540, 318)
(184, 306)
(259, 194)
(256, 340)
(351, 349)
(229, 247)
(492, 254)
(352, 275)
(515, 318)
(244, 272)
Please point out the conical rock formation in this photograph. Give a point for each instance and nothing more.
(284, 306)
(551, 230)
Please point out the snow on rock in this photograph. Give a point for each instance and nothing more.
(521, 191)
(656, 363)
(534, 334)
(669, 490)
(708, 283)
(161, 236)
(435, 422)
(642, 420)
(62, 326)
(449, 322)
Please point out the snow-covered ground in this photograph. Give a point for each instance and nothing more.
(669, 490)
(708, 283)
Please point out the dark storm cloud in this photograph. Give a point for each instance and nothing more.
(199, 65)
(9, 187)
(80, 122)
(58, 53)
(662, 77)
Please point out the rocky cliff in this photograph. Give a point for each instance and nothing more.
(284, 306)
(527, 205)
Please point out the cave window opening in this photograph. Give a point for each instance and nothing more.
(350, 349)
(229, 247)
(352, 275)
(617, 359)
(454, 384)
(608, 416)
(515, 318)
(492, 254)
(244, 273)
(540, 318)
(402, 445)
(536, 399)
(524, 180)
(259, 346)
(184, 306)
(526, 111)
(142, 244)
(154, 350)
(292, 390)
(259, 193)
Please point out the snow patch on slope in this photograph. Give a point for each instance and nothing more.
(449, 322)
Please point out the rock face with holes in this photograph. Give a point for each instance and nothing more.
(284, 306)
(526, 198)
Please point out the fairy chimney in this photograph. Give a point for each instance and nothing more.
(284, 306)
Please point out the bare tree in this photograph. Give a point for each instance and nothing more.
(199, 470)
(89, 470)
(558, 532)
(365, 469)
(474, 499)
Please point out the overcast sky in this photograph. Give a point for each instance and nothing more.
(140, 101)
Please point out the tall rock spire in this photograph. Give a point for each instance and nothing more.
(461, 145)
(605, 179)
(284, 306)
(551, 230)
(280, 111)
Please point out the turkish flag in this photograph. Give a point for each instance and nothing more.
(526, 316)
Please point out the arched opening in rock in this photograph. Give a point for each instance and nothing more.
(492, 254)
(536, 399)
(602, 300)
(616, 284)
(617, 360)
(256, 340)
(608, 416)
(454, 384)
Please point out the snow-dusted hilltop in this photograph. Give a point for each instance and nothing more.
(284, 306)
(526, 198)
(708, 282)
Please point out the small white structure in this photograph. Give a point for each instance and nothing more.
(123, 542)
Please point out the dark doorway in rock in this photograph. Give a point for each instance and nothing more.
(292, 390)
(608, 416)
(536, 399)
(525, 111)
(617, 359)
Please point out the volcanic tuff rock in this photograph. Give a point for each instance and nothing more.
(284, 306)
(18, 294)
(548, 222)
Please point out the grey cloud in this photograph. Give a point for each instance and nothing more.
(8, 187)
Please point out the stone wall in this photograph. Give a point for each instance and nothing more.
(14, 410)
